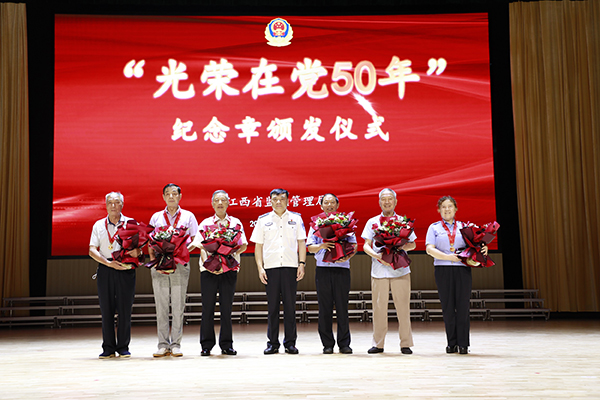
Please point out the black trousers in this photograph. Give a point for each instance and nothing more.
(333, 287)
(454, 288)
(116, 291)
(281, 284)
(211, 284)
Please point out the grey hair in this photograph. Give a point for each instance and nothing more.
(217, 192)
(118, 195)
(387, 190)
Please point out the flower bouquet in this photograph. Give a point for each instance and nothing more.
(337, 228)
(221, 241)
(169, 247)
(131, 235)
(475, 237)
(391, 234)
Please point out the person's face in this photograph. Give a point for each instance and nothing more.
(329, 204)
(220, 203)
(387, 202)
(114, 206)
(279, 203)
(172, 196)
(447, 210)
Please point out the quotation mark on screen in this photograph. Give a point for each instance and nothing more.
(438, 66)
(134, 69)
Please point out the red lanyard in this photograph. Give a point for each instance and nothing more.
(111, 239)
(167, 219)
(451, 236)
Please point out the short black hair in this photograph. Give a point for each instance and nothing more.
(329, 194)
(172, 185)
(279, 192)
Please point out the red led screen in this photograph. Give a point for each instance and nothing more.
(348, 105)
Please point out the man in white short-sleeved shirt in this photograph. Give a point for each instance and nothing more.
(219, 282)
(280, 254)
(171, 288)
(116, 281)
(385, 278)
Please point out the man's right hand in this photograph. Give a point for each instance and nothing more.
(262, 275)
(118, 266)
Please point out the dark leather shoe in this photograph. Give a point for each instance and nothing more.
(205, 352)
(229, 352)
(463, 350)
(291, 350)
(405, 350)
(346, 350)
(271, 349)
(327, 350)
(374, 350)
(451, 349)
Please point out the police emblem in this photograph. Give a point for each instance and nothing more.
(279, 33)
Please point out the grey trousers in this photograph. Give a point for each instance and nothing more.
(171, 287)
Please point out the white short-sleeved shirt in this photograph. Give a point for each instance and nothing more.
(314, 239)
(378, 270)
(100, 238)
(233, 221)
(187, 220)
(279, 237)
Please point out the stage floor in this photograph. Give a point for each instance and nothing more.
(530, 359)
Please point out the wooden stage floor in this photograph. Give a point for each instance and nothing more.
(516, 359)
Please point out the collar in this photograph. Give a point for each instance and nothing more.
(176, 212)
(216, 218)
(284, 215)
(381, 215)
(120, 220)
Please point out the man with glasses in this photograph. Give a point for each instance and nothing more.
(219, 282)
(333, 285)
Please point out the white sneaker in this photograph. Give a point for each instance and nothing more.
(162, 352)
(176, 352)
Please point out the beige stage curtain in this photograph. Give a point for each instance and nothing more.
(14, 153)
(555, 62)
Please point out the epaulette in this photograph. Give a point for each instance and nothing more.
(294, 212)
(264, 215)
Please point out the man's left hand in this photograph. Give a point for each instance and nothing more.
(300, 273)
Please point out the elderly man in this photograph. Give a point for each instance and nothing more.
(280, 255)
(116, 281)
(171, 286)
(384, 277)
(219, 282)
(333, 286)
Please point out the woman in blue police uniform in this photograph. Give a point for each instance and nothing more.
(453, 278)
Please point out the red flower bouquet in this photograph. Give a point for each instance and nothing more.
(475, 237)
(131, 235)
(169, 247)
(336, 228)
(221, 241)
(391, 234)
